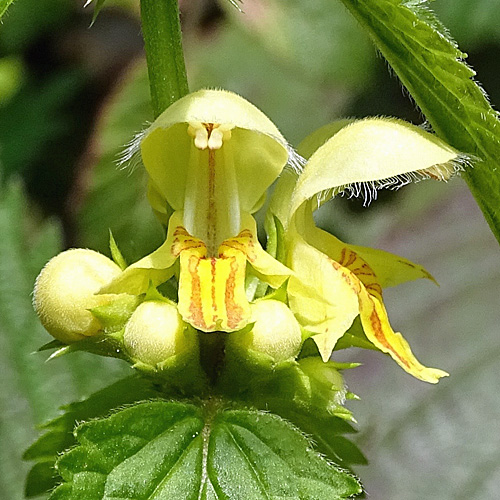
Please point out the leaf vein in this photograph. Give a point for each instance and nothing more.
(172, 469)
(253, 469)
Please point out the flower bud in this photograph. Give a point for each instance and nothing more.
(275, 332)
(65, 291)
(156, 332)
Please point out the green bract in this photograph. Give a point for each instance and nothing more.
(211, 157)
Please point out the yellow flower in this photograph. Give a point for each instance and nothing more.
(211, 158)
(333, 283)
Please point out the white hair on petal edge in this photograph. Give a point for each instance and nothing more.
(368, 190)
(130, 157)
(323, 197)
(295, 161)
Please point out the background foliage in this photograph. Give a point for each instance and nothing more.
(70, 98)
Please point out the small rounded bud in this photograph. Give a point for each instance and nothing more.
(65, 291)
(275, 333)
(156, 332)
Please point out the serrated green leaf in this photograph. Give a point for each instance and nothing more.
(4, 5)
(327, 431)
(166, 450)
(276, 461)
(432, 68)
(305, 397)
(59, 436)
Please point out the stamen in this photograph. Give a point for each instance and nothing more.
(209, 135)
(200, 134)
(215, 140)
(220, 133)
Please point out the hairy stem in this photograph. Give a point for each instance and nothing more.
(162, 38)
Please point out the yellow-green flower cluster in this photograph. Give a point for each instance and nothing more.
(211, 158)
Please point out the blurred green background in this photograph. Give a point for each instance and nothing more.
(70, 99)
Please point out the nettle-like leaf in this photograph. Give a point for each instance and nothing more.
(312, 401)
(58, 433)
(4, 5)
(432, 68)
(308, 393)
(163, 450)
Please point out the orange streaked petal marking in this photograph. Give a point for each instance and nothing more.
(360, 268)
(182, 240)
(196, 317)
(237, 307)
(375, 320)
(377, 327)
(212, 289)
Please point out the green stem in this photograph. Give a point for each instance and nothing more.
(212, 353)
(162, 39)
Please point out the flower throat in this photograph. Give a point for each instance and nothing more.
(211, 209)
